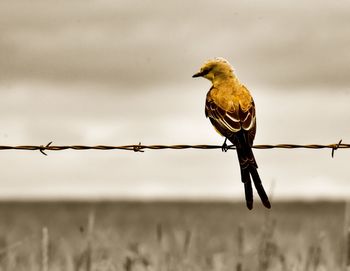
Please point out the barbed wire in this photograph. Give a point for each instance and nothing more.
(140, 148)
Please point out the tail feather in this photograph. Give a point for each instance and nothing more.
(259, 187)
(247, 188)
(249, 167)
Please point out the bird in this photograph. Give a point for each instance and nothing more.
(231, 110)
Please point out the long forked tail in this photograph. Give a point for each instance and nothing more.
(249, 167)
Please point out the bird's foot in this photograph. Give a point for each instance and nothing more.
(224, 146)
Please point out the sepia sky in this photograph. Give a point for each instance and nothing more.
(119, 72)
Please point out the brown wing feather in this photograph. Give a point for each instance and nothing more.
(229, 122)
(248, 122)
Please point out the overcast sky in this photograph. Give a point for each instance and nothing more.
(119, 72)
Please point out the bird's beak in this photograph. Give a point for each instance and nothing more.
(198, 74)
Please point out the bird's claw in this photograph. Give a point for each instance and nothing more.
(224, 146)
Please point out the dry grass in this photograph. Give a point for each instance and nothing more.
(172, 236)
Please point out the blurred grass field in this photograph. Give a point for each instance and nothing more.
(172, 236)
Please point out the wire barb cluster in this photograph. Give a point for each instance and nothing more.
(140, 148)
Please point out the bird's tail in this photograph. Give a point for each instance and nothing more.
(249, 167)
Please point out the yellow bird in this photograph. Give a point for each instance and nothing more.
(231, 110)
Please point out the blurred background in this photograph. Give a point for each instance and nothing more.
(119, 72)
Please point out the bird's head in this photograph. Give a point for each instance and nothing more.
(216, 69)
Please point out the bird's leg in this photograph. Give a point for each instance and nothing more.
(224, 147)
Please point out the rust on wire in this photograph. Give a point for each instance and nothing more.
(140, 148)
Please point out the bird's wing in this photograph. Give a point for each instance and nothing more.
(227, 120)
(230, 121)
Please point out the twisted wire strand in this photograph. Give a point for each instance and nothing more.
(140, 148)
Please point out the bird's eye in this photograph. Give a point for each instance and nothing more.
(206, 71)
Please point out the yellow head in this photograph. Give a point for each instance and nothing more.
(216, 69)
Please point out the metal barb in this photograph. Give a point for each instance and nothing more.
(42, 148)
(335, 147)
(138, 148)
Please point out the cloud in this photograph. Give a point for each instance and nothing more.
(151, 42)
